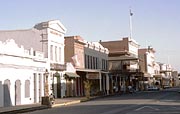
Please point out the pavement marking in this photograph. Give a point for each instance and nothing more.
(146, 107)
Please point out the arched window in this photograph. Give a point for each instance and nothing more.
(27, 88)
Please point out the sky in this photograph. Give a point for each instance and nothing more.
(155, 23)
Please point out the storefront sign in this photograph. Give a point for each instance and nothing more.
(55, 33)
(92, 76)
(58, 67)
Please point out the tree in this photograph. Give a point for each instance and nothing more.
(87, 85)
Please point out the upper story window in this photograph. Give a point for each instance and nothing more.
(91, 62)
(86, 64)
(51, 52)
(88, 61)
(56, 54)
(94, 63)
(60, 54)
(97, 63)
(103, 64)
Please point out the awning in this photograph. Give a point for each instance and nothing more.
(92, 70)
(88, 70)
(72, 74)
(123, 58)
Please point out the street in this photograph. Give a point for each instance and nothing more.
(149, 102)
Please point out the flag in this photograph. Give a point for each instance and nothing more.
(75, 60)
(131, 14)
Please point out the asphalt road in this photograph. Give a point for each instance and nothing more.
(151, 102)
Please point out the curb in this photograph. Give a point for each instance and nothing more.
(67, 103)
(73, 102)
(25, 110)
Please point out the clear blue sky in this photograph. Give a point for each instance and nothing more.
(155, 22)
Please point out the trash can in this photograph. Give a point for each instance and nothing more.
(46, 101)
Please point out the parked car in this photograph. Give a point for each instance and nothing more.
(166, 86)
(153, 88)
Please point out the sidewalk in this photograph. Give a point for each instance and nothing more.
(22, 108)
(38, 106)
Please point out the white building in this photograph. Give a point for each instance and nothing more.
(52, 33)
(166, 72)
(47, 37)
(147, 65)
(21, 72)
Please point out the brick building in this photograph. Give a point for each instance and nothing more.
(123, 64)
(90, 62)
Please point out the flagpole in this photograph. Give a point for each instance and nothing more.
(130, 22)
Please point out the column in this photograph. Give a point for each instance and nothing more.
(104, 82)
(107, 84)
(100, 81)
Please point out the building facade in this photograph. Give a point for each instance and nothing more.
(22, 75)
(96, 61)
(52, 42)
(166, 71)
(90, 61)
(123, 64)
(47, 37)
(147, 65)
(175, 81)
(74, 54)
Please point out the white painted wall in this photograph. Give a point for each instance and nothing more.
(19, 66)
(55, 32)
(133, 46)
(133, 49)
(56, 41)
(150, 62)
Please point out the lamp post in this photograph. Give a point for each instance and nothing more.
(46, 74)
(46, 99)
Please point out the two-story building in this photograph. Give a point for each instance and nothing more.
(52, 42)
(123, 64)
(90, 61)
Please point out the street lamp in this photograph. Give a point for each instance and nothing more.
(46, 99)
(46, 74)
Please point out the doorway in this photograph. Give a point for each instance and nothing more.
(7, 95)
(17, 92)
